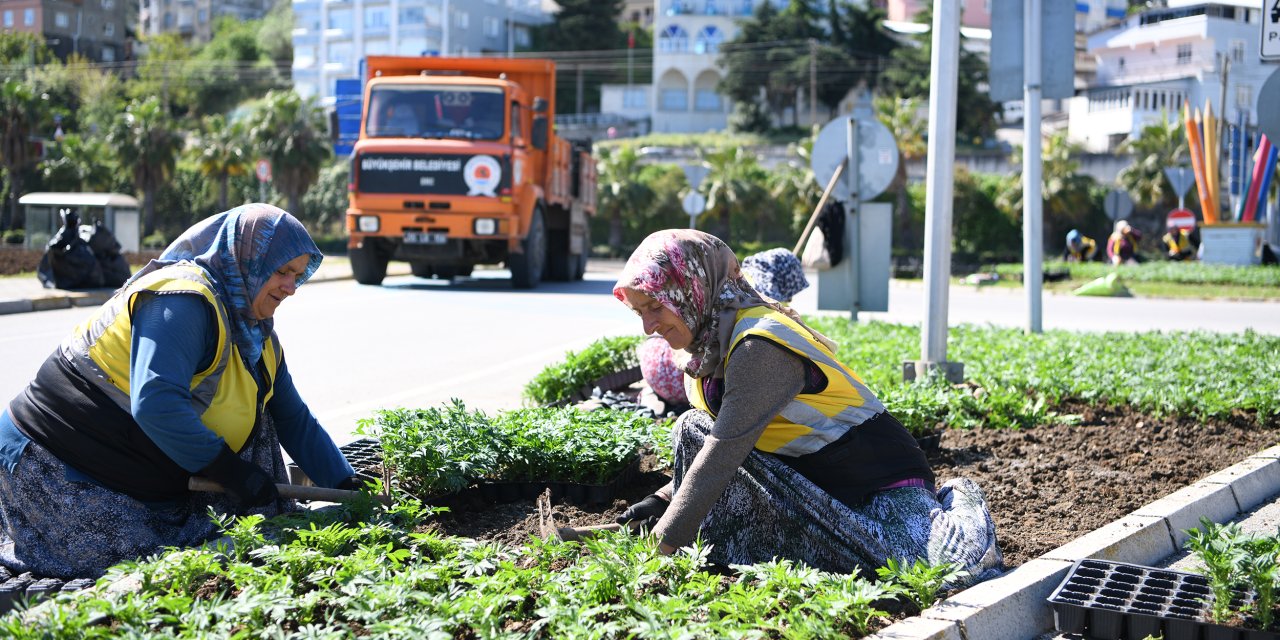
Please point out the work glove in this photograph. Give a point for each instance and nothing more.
(647, 511)
(353, 483)
(244, 481)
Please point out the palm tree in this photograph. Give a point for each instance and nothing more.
(734, 176)
(1158, 146)
(78, 164)
(221, 154)
(1067, 202)
(621, 193)
(18, 120)
(146, 139)
(793, 186)
(902, 117)
(290, 132)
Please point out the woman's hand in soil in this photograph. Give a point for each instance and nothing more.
(647, 511)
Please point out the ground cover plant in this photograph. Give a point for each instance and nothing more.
(437, 451)
(363, 571)
(558, 382)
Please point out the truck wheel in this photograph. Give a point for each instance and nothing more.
(526, 268)
(560, 264)
(448, 272)
(421, 269)
(368, 263)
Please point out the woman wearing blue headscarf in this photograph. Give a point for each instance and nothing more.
(180, 373)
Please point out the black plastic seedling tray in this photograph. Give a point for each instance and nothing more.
(572, 492)
(1116, 601)
(365, 456)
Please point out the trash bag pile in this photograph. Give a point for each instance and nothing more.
(82, 258)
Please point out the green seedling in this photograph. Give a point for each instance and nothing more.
(558, 382)
(922, 581)
(1216, 547)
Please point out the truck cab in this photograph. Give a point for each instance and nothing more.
(456, 166)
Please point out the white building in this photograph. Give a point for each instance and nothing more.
(332, 37)
(1151, 62)
(687, 38)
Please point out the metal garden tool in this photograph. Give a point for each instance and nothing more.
(296, 492)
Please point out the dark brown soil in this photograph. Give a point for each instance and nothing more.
(1046, 486)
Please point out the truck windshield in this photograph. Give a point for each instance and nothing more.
(426, 111)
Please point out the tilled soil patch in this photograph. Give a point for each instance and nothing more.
(1046, 486)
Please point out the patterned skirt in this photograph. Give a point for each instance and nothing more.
(770, 511)
(65, 529)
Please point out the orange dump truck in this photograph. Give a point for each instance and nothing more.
(457, 165)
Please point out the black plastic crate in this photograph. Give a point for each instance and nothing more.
(572, 492)
(365, 456)
(1112, 601)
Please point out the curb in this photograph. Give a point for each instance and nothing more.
(1014, 606)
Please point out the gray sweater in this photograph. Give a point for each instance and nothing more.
(761, 378)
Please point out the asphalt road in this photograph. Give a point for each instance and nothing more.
(353, 349)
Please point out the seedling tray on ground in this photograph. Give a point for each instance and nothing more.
(616, 380)
(573, 492)
(27, 589)
(1111, 601)
(365, 456)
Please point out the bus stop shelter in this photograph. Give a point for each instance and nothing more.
(117, 211)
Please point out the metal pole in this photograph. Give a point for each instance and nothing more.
(939, 177)
(813, 84)
(851, 216)
(444, 39)
(1032, 199)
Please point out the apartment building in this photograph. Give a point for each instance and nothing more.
(95, 29)
(194, 19)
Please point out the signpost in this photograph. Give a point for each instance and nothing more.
(1118, 205)
(1181, 179)
(1270, 41)
(694, 204)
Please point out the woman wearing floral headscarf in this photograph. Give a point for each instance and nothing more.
(180, 373)
(786, 452)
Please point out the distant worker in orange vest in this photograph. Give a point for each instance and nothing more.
(1080, 248)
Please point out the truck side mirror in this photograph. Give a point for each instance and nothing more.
(539, 105)
(538, 137)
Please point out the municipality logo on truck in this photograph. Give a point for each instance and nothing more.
(479, 175)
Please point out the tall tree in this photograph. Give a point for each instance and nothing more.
(290, 132)
(584, 25)
(230, 68)
(162, 72)
(23, 48)
(1159, 145)
(908, 76)
(221, 154)
(20, 110)
(78, 163)
(621, 194)
(146, 140)
(902, 117)
(1068, 202)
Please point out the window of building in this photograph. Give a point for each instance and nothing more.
(713, 8)
(1121, 63)
(28, 17)
(634, 98)
(202, 16)
(108, 53)
(522, 37)
(462, 19)
(411, 46)
(674, 100)
(1237, 50)
(340, 53)
(706, 100)
(8, 19)
(709, 39)
(1244, 97)
(108, 4)
(61, 19)
(304, 55)
(412, 16)
(340, 19)
(492, 27)
(674, 39)
(109, 30)
(378, 47)
(377, 18)
(1184, 54)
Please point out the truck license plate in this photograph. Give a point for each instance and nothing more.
(425, 237)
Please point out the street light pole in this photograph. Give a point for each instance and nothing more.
(1032, 196)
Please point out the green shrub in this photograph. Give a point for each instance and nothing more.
(558, 382)
(15, 236)
(155, 241)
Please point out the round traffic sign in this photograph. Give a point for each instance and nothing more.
(1180, 219)
(877, 156)
(1268, 116)
(694, 203)
(263, 169)
(1117, 204)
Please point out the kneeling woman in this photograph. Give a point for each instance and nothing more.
(179, 373)
(786, 452)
